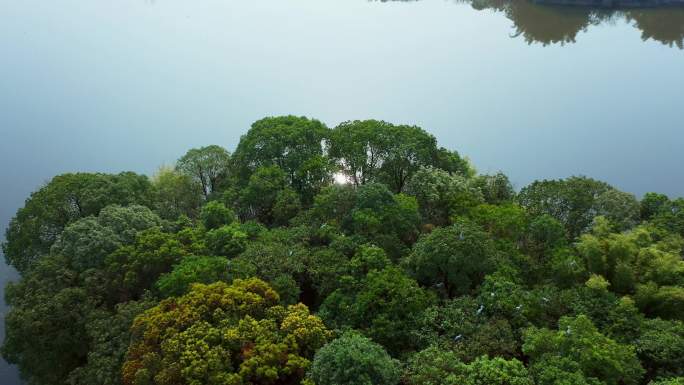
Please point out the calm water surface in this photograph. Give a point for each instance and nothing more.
(534, 91)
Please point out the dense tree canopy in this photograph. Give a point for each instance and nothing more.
(257, 268)
(383, 305)
(579, 345)
(66, 198)
(223, 334)
(434, 366)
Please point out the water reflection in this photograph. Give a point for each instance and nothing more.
(664, 25)
(554, 24)
(549, 24)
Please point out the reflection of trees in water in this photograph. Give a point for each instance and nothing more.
(664, 25)
(548, 24)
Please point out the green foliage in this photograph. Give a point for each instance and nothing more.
(577, 340)
(631, 258)
(131, 270)
(215, 214)
(661, 348)
(571, 201)
(556, 370)
(504, 297)
(456, 325)
(191, 270)
(353, 359)
(544, 234)
(110, 335)
(671, 217)
(620, 208)
(368, 258)
(359, 149)
(383, 306)
(660, 301)
(372, 213)
(223, 334)
(127, 280)
(669, 381)
(208, 166)
(46, 327)
(496, 189)
(453, 260)
(296, 268)
(227, 241)
(434, 366)
(334, 205)
(566, 268)
(290, 143)
(653, 204)
(507, 221)
(65, 199)
(441, 195)
(175, 194)
(376, 151)
(261, 193)
(497, 371)
(88, 241)
(286, 206)
(386, 219)
(442, 323)
(52, 306)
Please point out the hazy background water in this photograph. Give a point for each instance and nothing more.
(537, 92)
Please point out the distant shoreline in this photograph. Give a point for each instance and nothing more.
(612, 4)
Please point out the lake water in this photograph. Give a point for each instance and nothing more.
(534, 91)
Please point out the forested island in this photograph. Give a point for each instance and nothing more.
(362, 254)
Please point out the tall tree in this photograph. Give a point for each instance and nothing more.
(496, 188)
(571, 201)
(209, 166)
(294, 144)
(359, 148)
(175, 194)
(442, 195)
(377, 151)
